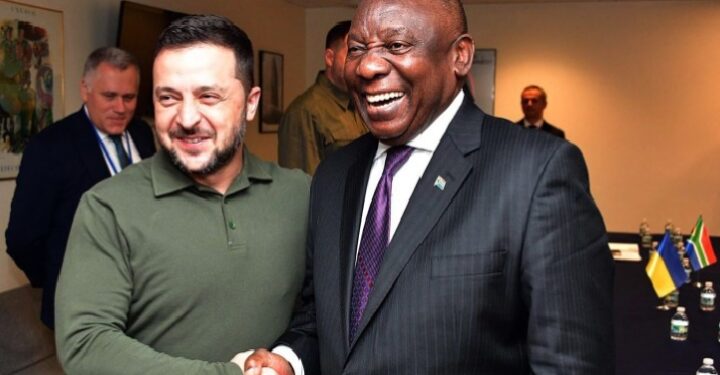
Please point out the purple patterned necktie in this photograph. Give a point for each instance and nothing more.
(374, 238)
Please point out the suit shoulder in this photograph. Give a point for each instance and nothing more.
(60, 129)
(57, 137)
(517, 140)
(348, 154)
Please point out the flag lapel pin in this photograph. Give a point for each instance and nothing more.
(440, 183)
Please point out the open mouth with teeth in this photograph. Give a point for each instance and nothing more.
(192, 140)
(383, 99)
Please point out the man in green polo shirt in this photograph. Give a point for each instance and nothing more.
(182, 261)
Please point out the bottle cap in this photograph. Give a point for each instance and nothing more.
(708, 361)
(680, 309)
(708, 284)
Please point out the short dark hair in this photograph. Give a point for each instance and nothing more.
(116, 57)
(337, 33)
(215, 30)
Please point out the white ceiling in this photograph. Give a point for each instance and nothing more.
(353, 3)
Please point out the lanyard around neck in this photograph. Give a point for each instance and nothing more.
(109, 159)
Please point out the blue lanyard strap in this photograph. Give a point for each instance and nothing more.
(107, 154)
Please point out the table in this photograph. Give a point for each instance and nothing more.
(642, 332)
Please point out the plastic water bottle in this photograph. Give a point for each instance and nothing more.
(679, 325)
(673, 299)
(707, 367)
(707, 297)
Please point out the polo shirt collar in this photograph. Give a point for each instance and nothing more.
(167, 178)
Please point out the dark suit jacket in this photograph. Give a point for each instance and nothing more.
(59, 164)
(504, 271)
(547, 127)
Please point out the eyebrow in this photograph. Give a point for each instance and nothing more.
(384, 34)
(201, 89)
(393, 32)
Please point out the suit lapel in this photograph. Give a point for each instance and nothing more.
(428, 202)
(354, 198)
(87, 145)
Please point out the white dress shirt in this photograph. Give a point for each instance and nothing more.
(110, 152)
(537, 124)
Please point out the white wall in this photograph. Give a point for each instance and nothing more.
(318, 21)
(90, 24)
(634, 85)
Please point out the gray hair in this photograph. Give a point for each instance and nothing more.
(116, 57)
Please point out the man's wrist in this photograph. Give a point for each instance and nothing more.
(292, 358)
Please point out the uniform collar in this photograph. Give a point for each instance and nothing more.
(340, 97)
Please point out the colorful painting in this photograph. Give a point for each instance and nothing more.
(31, 66)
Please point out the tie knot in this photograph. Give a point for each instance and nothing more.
(396, 157)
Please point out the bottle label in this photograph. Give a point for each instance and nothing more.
(679, 327)
(707, 299)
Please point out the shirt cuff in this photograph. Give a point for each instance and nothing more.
(292, 358)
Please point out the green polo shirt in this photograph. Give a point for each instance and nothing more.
(165, 276)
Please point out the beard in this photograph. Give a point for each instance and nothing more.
(220, 157)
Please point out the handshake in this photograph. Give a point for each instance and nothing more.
(262, 362)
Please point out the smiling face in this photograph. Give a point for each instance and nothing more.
(110, 95)
(201, 109)
(405, 64)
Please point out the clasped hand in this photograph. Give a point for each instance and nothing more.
(262, 362)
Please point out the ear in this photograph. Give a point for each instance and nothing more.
(251, 103)
(84, 90)
(464, 50)
(329, 58)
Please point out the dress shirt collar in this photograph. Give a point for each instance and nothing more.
(104, 136)
(429, 138)
(538, 124)
(167, 178)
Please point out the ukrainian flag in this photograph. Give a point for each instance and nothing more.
(665, 268)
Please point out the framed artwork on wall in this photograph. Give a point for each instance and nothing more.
(482, 79)
(271, 86)
(31, 77)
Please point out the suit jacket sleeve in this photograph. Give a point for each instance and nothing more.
(30, 215)
(301, 335)
(567, 273)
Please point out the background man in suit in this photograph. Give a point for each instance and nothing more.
(196, 254)
(322, 119)
(497, 263)
(533, 101)
(66, 159)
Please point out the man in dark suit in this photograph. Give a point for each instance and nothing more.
(533, 101)
(66, 159)
(497, 263)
